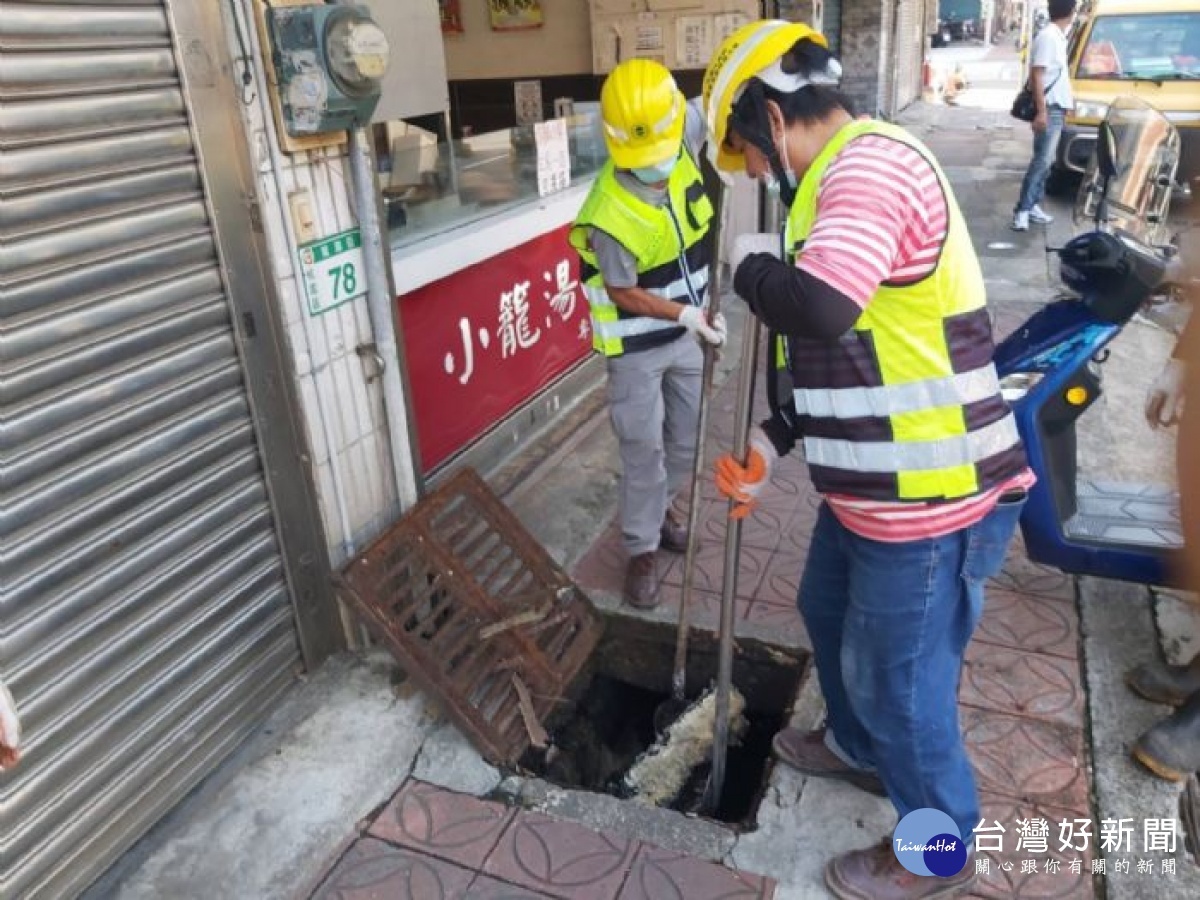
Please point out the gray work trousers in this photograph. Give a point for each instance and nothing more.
(654, 404)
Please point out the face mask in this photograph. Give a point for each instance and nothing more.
(789, 173)
(770, 181)
(654, 174)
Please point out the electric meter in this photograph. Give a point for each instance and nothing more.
(329, 61)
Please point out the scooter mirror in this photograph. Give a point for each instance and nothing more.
(1126, 186)
(1106, 152)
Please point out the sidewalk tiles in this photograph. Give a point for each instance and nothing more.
(429, 844)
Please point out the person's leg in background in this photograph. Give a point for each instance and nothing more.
(682, 387)
(635, 400)
(1033, 185)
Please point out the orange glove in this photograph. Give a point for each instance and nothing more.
(743, 484)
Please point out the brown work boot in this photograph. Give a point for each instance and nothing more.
(674, 535)
(641, 585)
(806, 752)
(876, 874)
(1161, 683)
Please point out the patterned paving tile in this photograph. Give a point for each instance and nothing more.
(666, 875)
(1024, 683)
(457, 827)
(1022, 575)
(561, 858)
(1062, 871)
(374, 870)
(762, 529)
(706, 605)
(797, 534)
(602, 567)
(784, 568)
(710, 569)
(781, 621)
(484, 888)
(1026, 759)
(1029, 623)
(782, 497)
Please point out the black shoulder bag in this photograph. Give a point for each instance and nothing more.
(1024, 107)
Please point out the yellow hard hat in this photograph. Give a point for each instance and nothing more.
(754, 50)
(643, 114)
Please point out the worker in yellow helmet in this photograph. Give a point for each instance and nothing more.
(642, 236)
(881, 366)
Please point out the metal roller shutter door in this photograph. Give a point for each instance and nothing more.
(145, 621)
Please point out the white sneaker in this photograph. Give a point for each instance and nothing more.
(1039, 216)
(1020, 221)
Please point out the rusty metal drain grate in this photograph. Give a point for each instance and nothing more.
(477, 613)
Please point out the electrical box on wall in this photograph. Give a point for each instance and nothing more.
(328, 63)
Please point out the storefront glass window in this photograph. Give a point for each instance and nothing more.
(430, 187)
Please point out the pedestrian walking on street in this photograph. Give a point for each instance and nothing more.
(642, 235)
(1050, 86)
(881, 365)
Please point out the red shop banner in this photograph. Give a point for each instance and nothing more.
(484, 340)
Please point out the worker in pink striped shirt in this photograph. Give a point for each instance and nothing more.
(881, 367)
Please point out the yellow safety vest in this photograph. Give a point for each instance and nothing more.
(668, 243)
(906, 405)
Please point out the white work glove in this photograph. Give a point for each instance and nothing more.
(755, 242)
(695, 320)
(1164, 403)
(10, 731)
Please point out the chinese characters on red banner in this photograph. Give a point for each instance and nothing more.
(482, 341)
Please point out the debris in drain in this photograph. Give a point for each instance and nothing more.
(659, 775)
(597, 741)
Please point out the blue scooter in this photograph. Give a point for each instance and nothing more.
(1050, 367)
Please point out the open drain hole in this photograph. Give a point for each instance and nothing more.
(596, 739)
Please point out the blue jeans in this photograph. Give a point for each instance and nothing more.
(1045, 143)
(889, 623)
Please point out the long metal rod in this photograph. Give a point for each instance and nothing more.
(733, 544)
(715, 289)
(769, 220)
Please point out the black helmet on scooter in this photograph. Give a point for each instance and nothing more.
(1112, 275)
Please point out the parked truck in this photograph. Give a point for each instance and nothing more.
(960, 20)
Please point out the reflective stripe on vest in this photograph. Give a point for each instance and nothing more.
(677, 290)
(607, 325)
(888, 400)
(899, 456)
(906, 405)
(666, 241)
